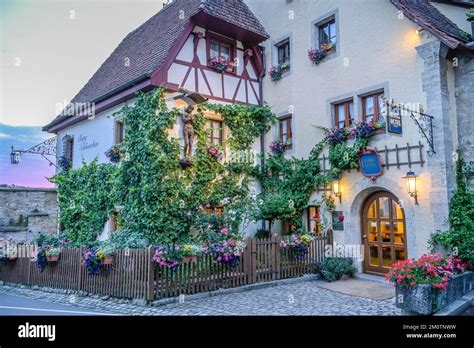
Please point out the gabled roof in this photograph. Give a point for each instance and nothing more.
(429, 18)
(147, 47)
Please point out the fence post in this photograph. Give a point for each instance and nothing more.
(277, 256)
(253, 260)
(79, 278)
(151, 275)
(29, 254)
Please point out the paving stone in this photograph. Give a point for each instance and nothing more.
(304, 298)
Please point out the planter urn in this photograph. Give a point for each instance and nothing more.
(425, 300)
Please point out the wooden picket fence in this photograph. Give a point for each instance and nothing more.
(133, 274)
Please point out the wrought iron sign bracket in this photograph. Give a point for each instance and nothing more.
(425, 128)
(424, 123)
(46, 148)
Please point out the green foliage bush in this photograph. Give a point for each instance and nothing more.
(85, 200)
(459, 239)
(261, 234)
(334, 268)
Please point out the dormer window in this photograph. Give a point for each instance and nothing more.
(222, 50)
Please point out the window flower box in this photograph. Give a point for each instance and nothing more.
(276, 71)
(221, 64)
(190, 253)
(317, 55)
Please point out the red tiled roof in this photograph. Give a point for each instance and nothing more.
(147, 47)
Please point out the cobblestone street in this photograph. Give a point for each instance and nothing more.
(302, 298)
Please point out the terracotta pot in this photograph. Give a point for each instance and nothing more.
(52, 258)
(108, 260)
(190, 259)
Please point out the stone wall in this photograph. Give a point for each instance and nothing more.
(25, 212)
(464, 87)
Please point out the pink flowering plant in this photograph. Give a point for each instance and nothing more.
(365, 129)
(225, 247)
(297, 245)
(317, 55)
(220, 63)
(432, 269)
(214, 153)
(170, 257)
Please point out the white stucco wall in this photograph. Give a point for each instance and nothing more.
(92, 137)
(375, 50)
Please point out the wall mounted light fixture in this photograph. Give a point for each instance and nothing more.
(410, 179)
(336, 187)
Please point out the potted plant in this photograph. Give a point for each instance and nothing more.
(52, 253)
(106, 255)
(12, 252)
(430, 283)
(190, 253)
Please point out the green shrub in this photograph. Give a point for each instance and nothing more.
(261, 233)
(459, 239)
(333, 268)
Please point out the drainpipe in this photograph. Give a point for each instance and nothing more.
(262, 135)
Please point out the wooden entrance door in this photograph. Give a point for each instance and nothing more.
(383, 232)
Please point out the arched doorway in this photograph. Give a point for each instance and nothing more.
(383, 232)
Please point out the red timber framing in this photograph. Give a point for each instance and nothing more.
(160, 76)
(252, 57)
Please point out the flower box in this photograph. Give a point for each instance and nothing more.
(108, 260)
(190, 259)
(12, 257)
(425, 299)
(52, 258)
